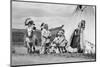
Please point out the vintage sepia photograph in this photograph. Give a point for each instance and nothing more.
(52, 33)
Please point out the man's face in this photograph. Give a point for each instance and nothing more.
(82, 26)
(29, 25)
(60, 33)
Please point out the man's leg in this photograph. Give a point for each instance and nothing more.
(42, 45)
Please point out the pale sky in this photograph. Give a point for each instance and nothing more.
(54, 15)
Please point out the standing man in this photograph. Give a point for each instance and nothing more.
(82, 28)
(30, 28)
(45, 37)
(77, 38)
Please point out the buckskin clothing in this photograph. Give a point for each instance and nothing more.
(45, 36)
(29, 33)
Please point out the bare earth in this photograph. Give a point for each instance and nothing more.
(20, 57)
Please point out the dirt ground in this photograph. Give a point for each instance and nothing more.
(20, 57)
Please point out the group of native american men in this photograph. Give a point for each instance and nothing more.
(58, 44)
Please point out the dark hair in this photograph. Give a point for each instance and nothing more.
(30, 22)
(83, 24)
(46, 26)
(34, 28)
(26, 21)
(42, 24)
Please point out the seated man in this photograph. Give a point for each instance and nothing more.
(60, 41)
